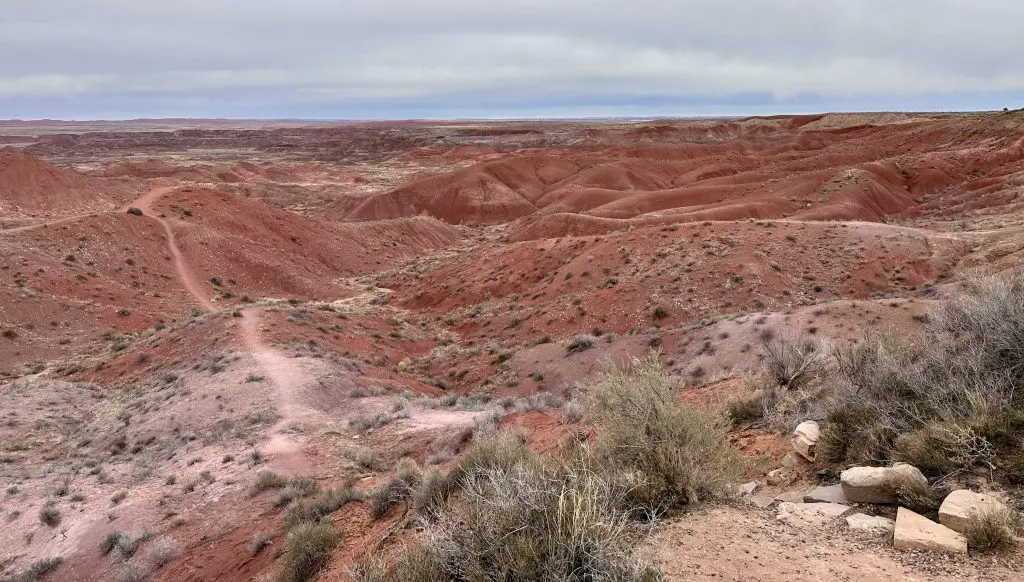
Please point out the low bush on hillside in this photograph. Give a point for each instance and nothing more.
(533, 520)
(397, 490)
(505, 513)
(947, 400)
(668, 453)
(308, 549)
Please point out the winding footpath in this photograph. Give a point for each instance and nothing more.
(283, 372)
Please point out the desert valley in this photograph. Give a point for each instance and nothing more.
(298, 350)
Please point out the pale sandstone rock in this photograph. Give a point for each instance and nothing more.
(872, 484)
(916, 532)
(871, 524)
(805, 439)
(959, 506)
(829, 494)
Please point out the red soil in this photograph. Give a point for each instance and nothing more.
(368, 261)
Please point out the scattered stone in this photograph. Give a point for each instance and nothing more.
(916, 532)
(872, 524)
(792, 460)
(958, 507)
(811, 512)
(872, 484)
(781, 477)
(805, 439)
(791, 496)
(761, 501)
(748, 489)
(829, 494)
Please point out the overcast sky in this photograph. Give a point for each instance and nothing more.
(90, 59)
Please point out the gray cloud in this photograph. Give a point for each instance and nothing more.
(217, 57)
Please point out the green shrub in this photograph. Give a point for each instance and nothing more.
(745, 406)
(308, 549)
(431, 493)
(668, 453)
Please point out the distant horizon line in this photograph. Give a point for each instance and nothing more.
(50, 120)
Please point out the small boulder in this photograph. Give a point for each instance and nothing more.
(873, 484)
(805, 439)
(959, 506)
(761, 501)
(781, 477)
(747, 489)
(790, 496)
(916, 532)
(792, 460)
(871, 524)
(829, 494)
(811, 512)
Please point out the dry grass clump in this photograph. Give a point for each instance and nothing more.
(580, 343)
(504, 513)
(530, 520)
(397, 490)
(49, 514)
(124, 542)
(993, 531)
(297, 487)
(161, 552)
(35, 570)
(668, 454)
(745, 406)
(259, 541)
(945, 401)
(308, 549)
(324, 504)
(793, 365)
(365, 458)
(267, 479)
(362, 423)
(913, 494)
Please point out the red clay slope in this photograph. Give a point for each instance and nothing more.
(761, 169)
(30, 186)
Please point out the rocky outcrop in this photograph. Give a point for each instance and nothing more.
(874, 484)
(916, 532)
(805, 439)
(959, 506)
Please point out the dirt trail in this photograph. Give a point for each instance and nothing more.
(285, 453)
(188, 278)
(287, 376)
(46, 224)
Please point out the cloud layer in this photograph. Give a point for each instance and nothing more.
(444, 58)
